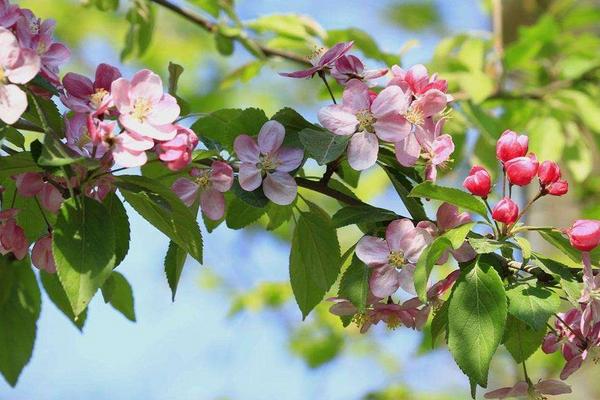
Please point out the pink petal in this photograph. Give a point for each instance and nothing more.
(186, 190)
(146, 84)
(553, 387)
(9, 46)
(443, 147)
(27, 67)
(13, 103)
(246, 149)
(119, 91)
(249, 176)
(391, 100)
(338, 119)
(431, 103)
(335, 52)
(105, 75)
(305, 73)
(408, 151)
(50, 198)
(270, 137)
(129, 159)
(373, 251)
(57, 54)
(212, 203)
(78, 85)
(406, 278)
(280, 188)
(221, 176)
(289, 159)
(163, 132)
(396, 231)
(165, 111)
(356, 96)
(384, 281)
(363, 150)
(392, 127)
(133, 142)
(28, 184)
(414, 243)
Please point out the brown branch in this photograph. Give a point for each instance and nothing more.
(328, 191)
(212, 27)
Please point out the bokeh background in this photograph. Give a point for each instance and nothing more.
(234, 332)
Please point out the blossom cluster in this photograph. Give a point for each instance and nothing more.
(27, 47)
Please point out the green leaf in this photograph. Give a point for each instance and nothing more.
(175, 71)
(16, 164)
(224, 44)
(476, 318)
(323, 145)
(244, 74)
(118, 214)
(117, 291)
(525, 247)
(223, 126)
(278, 215)
(84, 249)
(255, 198)
(454, 238)
(314, 258)
(457, 197)
(354, 285)
(403, 187)
(174, 263)
(546, 138)
(293, 26)
(58, 296)
(521, 340)
(241, 214)
(293, 123)
(562, 243)
(210, 6)
(354, 215)
(439, 323)
(158, 205)
(141, 17)
(485, 246)
(532, 305)
(19, 311)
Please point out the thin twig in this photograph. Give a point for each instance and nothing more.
(328, 191)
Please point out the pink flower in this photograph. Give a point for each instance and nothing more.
(506, 211)
(269, 160)
(479, 182)
(37, 35)
(349, 67)
(177, 152)
(30, 184)
(548, 172)
(558, 188)
(100, 187)
(590, 297)
(84, 96)
(41, 255)
(448, 217)
(523, 389)
(145, 110)
(321, 60)
(79, 139)
(584, 234)
(9, 14)
(210, 183)
(12, 236)
(364, 121)
(437, 148)
(511, 145)
(417, 80)
(17, 66)
(520, 171)
(393, 259)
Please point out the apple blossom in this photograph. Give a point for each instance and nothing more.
(365, 121)
(548, 172)
(30, 184)
(84, 96)
(17, 66)
(437, 147)
(558, 188)
(12, 236)
(9, 14)
(322, 60)
(524, 389)
(511, 145)
(209, 184)
(479, 182)
(349, 67)
(520, 171)
(417, 80)
(145, 111)
(177, 152)
(41, 255)
(79, 139)
(393, 259)
(506, 211)
(267, 159)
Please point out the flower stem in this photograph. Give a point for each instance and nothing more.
(322, 76)
(497, 232)
(525, 373)
(43, 214)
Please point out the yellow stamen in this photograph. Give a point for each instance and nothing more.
(203, 181)
(396, 259)
(267, 164)
(316, 55)
(366, 120)
(141, 109)
(2, 75)
(393, 323)
(96, 98)
(415, 116)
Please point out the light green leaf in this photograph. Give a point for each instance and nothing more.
(450, 195)
(354, 285)
(546, 138)
(520, 340)
(84, 249)
(476, 318)
(16, 164)
(241, 214)
(117, 291)
(532, 305)
(58, 296)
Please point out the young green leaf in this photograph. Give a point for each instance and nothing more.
(457, 197)
(314, 258)
(174, 263)
(476, 318)
(117, 291)
(84, 249)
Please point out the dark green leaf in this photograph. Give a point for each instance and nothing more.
(241, 214)
(174, 263)
(256, 198)
(223, 126)
(521, 340)
(118, 214)
(354, 285)
(360, 214)
(323, 145)
(293, 123)
(403, 187)
(16, 164)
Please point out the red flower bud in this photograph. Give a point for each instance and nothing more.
(511, 145)
(558, 188)
(372, 96)
(506, 211)
(478, 182)
(521, 170)
(584, 234)
(549, 172)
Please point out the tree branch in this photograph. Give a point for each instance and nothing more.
(212, 27)
(328, 191)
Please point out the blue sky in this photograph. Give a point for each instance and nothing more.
(190, 349)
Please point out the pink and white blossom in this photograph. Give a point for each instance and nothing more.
(84, 96)
(322, 60)
(417, 80)
(523, 389)
(12, 236)
(209, 184)
(350, 67)
(9, 14)
(177, 152)
(266, 159)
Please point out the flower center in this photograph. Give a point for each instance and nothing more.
(41, 48)
(203, 181)
(98, 96)
(366, 120)
(141, 108)
(396, 259)
(393, 322)
(359, 319)
(316, 55)
(2, 76)
(34, 26)
(267, 163)
(415, 116)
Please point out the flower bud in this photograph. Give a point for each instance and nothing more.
(558, 188)
(584, 234)
(506, 211)
(478, 182)
(521, 170)
(549, 172)
(372, 96)
(511, 145)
